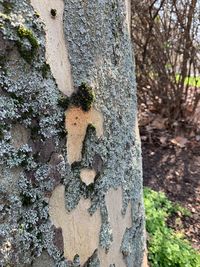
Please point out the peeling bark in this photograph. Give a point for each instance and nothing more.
(76, 123)
(56, 48)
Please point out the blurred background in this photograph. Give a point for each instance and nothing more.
(166, 41)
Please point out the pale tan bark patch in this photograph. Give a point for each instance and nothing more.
(76, 123)
(145, 260)
(87, 176)
(80, 229)
(20, 135)
(128, 15)
(119, 224)
(56, 49)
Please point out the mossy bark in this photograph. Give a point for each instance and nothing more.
(106, 180)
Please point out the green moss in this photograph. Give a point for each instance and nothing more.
(7, 6)
(90, 190)
(4, 17)
(37, 14)
(40, 236)
(25, 33)
(24, 158)
(76, 165)
(19, 99)
(64, 102)
(45, 70)
(92, 127)
(26, 200)
(84, 97)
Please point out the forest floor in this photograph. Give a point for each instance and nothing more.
(171, 164)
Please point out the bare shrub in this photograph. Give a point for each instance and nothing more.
(166, 37)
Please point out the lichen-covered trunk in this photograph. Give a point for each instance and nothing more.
(70, 159)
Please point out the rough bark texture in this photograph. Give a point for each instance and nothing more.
(65, 202)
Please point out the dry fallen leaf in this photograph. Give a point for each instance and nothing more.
(163, 140)
(159, 123)
(198, 137)
(144, 137)
(179, 141)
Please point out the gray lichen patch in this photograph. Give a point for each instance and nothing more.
(43, 261)
(101, 54)
(31, 154)
(9, 179)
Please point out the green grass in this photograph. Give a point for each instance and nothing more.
(166, 248)
(191, 81)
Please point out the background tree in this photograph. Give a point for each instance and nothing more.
(71, 179)
(166, 38)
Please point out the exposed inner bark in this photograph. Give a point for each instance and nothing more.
(87, 176)
(56, 47)
(81, 230)
(76, 123)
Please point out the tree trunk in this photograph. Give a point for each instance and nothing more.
(70, 158)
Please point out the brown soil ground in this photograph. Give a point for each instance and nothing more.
(175, 169)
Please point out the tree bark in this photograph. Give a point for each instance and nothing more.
(70, 159)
